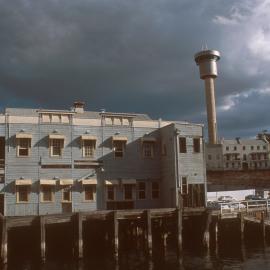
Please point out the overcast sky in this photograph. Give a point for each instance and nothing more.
(138, 56)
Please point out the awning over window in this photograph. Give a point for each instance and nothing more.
(88, 137)
(119, 138)
(149, 139)
(111, 182)
(89, 181)
(48, 182)
(66, 182)
(56, 136)
(23, 182)
(23, 136)
(129, 181)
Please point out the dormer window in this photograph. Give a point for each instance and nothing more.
(55, 118)
(111, 119)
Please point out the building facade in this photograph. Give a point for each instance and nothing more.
(57, 161)
(239, 154)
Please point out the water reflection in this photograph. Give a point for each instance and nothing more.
(231, 255)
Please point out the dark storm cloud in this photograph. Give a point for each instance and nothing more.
(134, 56)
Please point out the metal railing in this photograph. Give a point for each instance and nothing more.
(244, 206)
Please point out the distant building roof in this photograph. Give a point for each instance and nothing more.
(243, 142)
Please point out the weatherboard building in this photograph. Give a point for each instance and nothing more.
(57, 161)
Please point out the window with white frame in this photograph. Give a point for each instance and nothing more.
(47, 193)
(128, 192)
(89, 147)
(119, 148)
(56, 147)
(23, 193)
(23, 147)
(155, 190)
(110, 193)
(148, 149)
(89, 192)
(141, 190)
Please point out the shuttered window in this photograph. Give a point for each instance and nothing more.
(196, 145)
(182, 145)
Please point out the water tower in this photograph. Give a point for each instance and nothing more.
(207, 61)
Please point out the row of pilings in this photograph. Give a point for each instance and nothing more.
(114, 236)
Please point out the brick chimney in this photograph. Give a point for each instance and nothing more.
(78, 106)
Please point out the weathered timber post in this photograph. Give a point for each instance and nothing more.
(263, 225)
(206, 235)
(42, 238)
(179, 224)
(149, 231)
(79, 235)
(241, 225)
(216, 235)
(116, 236)
(4, 244)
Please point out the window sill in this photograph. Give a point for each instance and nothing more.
(22, 202)
(66, 201)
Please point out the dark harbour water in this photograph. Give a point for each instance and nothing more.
(229, 256)
(230, 252)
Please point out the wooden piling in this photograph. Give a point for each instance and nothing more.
(42, 238)
(149, 231)
(206, 235)
(179, 221)
(4, 244)
(79, 235)
(263, 225)
(216, 229)
(116, 236)
(241, 225)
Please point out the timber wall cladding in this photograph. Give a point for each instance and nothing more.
(40, 165)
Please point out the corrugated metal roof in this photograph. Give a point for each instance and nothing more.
(86, 114)
(21, 112)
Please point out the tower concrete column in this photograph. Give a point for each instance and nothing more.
(211, 109)
(207, 62)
